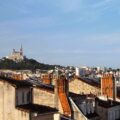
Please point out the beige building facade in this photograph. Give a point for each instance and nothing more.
(8, 110)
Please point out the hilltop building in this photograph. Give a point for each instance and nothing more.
(16, 55)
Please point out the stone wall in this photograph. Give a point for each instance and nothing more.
(43, 97)
(77, 86)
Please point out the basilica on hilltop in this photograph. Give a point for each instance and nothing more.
(16, 55)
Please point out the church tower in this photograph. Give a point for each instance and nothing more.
(21, 51)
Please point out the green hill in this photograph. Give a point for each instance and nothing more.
(30, 64)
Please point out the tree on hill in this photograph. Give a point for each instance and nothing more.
(25, 64)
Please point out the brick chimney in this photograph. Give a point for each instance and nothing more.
(62, 86)
(108, 86)
(17, 76)
(46, 79)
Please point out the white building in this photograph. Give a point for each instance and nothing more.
(16, 55)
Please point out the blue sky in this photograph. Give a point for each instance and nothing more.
(66, 32)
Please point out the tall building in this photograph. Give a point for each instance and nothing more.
(16, 55)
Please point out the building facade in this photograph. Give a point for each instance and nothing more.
(107, 109)
(30, 100)
(8, 110)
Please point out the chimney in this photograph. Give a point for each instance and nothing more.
(17, 76)
(62, 85)
(56, 92)
(46, 79)
(114, 89)
(108, 86)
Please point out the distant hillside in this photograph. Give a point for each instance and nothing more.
(25, 64)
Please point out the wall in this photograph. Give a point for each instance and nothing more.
(77, 86)
(77, 114)
(43, 117)
(60, 107)
(87, 106)
(114, 113)
(48, 116)
(7, 104)
(43, 97)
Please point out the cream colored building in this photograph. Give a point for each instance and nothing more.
(16, 55)
(8, 110)
(23, 100)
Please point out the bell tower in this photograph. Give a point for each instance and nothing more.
(21, 50)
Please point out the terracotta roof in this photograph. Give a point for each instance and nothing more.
(27, 83)
(18, 83)
(39, 84)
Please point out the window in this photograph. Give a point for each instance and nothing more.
(28, 97)
(23, 97)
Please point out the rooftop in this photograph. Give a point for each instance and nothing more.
(92, 115)
(79, 99)
(63, 118)
(27, 83)
(89, 81)
(37, 108)
(18, 83)
(107, 103)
